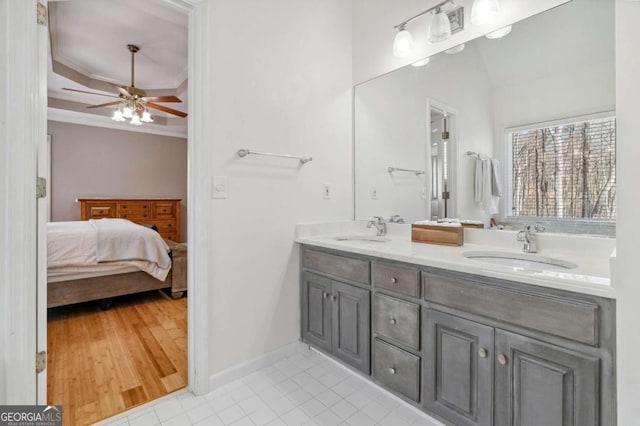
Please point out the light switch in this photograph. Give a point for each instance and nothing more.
(219, 189)
(326, 191)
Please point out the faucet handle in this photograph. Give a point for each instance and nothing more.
(521, 236)
(380, 219)
(538, 226)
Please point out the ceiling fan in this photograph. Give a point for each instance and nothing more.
(133, 102)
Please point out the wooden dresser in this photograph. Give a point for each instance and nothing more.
(164, 213)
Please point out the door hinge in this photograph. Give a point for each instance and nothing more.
(41, 187)
(41, 361)
(41, 16)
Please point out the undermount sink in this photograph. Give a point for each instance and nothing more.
(520, 260)
(370, 238)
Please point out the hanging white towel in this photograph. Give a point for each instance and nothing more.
(496, 186)
(484, 185)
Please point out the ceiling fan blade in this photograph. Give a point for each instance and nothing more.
(122, 90)
(165, 109)
(91, 93)
(161, 99)
(104, 105)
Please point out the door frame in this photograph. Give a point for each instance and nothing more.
(21, 133)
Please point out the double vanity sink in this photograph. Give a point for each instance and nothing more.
(480, 334)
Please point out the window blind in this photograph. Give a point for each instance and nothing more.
(565, 171)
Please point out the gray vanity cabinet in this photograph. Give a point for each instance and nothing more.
(336, 319)
(316, 310)
(458, 373)
(540, 384)
(351, 325)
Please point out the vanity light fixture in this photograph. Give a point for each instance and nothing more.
(421, 62)
(446, 20)
(403, 43)
(484, 11)
(456, 49)
(502, 32)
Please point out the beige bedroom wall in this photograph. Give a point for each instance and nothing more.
(91, 161)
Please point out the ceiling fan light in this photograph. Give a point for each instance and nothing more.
(135, 120)
(146, 117)
(127, 112)
(117, 115)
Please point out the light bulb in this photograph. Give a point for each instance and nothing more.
(127, 112)
(135, 120)
(146, 117)
(502, 32)
(421, 62)
(456, 49)
(117, 115)
(484, 11)
(403, 43)
(440, 28)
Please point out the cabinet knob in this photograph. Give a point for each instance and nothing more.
(392, 370)
(502, 359)
(325, 295)
(394, 280)
(392, 321)
(483, 353)
(334, 297)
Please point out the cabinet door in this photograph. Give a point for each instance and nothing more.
(316, 310)
(541, 384)
(458, 370)
(351, 325)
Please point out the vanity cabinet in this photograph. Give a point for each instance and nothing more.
(468, 349)
(335, 314)
(541, 384)
(458, 372)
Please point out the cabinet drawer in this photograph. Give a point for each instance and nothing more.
(560, 316)
(135, 216)
(137, 208)
(339, 266)
(165, 226)
(164, 210)
(98, 211)
(397, 369)
(169, 236)
(396, 319)
(395, 278)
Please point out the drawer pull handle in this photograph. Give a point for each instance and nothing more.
(483, 353)
(502, 359)
(392, 371)
(394, 280)
(325, 295)
(392, 321)
(144, 215)
(334, 297)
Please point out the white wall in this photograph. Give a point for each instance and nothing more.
(391, 126)
(627, 230)
(4, 287)
(373, 33)
(281, 82)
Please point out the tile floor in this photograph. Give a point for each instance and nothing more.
(304, 388)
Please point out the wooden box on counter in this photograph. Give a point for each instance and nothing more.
(441, 235)
(164, 213)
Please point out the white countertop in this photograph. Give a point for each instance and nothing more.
(591, 254)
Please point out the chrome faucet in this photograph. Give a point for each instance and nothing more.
(379, 224)
(528, 236)
(396, 219)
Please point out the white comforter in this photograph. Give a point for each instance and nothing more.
(105, 241)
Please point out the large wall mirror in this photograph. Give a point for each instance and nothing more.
(539, 101)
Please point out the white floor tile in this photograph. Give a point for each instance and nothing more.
(303, 389)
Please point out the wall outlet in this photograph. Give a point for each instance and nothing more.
(374, 193)
(219, 187)
(326, 191)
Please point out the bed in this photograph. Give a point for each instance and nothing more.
(105, 258)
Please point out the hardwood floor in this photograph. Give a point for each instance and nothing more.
(101, 363)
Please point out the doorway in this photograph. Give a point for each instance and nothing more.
(442, 160)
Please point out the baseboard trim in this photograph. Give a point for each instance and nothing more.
(241, 370)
